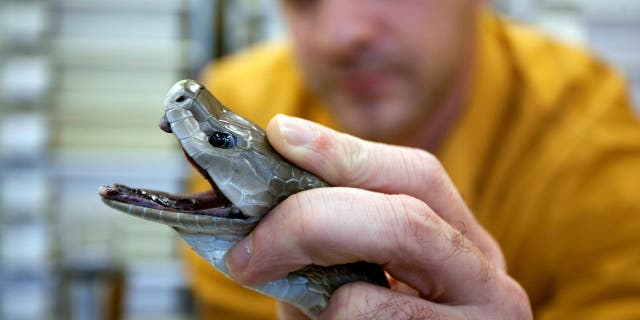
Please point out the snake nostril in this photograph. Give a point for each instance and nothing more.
(181, 98)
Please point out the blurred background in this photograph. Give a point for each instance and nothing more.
(81, 89)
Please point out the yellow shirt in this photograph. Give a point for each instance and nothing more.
(546, 153)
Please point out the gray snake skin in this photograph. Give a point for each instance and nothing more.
(248, 178)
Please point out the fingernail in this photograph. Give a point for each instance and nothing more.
(238, 257)
(296, 132)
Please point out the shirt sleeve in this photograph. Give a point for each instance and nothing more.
(593, 243)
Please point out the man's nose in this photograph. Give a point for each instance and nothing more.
(345, 27)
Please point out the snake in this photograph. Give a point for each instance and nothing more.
(248, 179)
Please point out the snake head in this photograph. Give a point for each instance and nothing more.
(248, 178)
(230, 151)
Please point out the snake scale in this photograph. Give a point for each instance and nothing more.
(248, 179)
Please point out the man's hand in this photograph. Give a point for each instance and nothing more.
(393, 206)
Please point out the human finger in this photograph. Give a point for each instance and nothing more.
(361, 300)
(330, 226)
(366, 301)
(345, 160)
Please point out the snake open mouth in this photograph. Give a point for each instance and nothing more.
(211, 203)
(205, 203)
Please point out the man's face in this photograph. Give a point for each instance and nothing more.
(382, 65)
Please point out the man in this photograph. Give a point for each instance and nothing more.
(507, 136)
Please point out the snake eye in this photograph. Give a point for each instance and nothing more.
(223, 140)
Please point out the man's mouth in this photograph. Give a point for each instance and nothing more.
(365, 82)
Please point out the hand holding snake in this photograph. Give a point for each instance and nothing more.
(395, 207)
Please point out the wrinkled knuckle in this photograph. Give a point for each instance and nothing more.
(354, 160)
(520, 306)
(296, 221)
(360, 301)
(428, 160)
(510, 302)
(411, 207)
(430, 169)
(413, 217)
(309, 218)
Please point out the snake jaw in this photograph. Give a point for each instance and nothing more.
(211, 202)
(204, 203)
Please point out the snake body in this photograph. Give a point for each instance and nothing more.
(248, 178)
